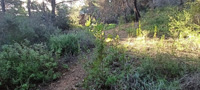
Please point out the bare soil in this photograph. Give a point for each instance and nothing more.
(71, 79)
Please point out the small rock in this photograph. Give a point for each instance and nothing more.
(73, 71)
(76, 78)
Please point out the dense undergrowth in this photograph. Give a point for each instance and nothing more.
(163, 55)
(25, 65)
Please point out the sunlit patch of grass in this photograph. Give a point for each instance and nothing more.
(180, 47)
(162, 59)
(158, 63)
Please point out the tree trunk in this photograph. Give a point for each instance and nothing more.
(53, 12)
(29, 7)
(43, 7)
(3, 6)
(137, 13)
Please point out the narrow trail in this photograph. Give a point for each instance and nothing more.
(70, 80)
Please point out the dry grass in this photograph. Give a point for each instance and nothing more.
(189, 47)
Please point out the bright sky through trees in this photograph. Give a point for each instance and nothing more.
(77, 3)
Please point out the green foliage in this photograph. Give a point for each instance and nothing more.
(115, 71)
(86, 40)
(22, 66)
(131, 31)
(106, 69)
(65, 66)
(184, 24)
(62, 21)
(17, 28)
(139, 31)
(136, 81)
(99, 70)
(158, 17)
(161, 72)
(65, 44)
(195, 11)
(88, 22)
(155, 32)
(98, 30)
(162, 67)
(110, 26)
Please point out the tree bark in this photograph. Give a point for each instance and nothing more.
(29, 7)
(43, 7)
(53, 12)
(135, 9)
(137, 13)
(3, 6)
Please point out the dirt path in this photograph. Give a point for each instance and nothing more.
(70, 80)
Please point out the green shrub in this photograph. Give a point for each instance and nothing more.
(65, 43)
(86, 40)
(158, 17)
(110, 26)
(62, 22)
(23, 66)
(106, 69)
(186, 24)
(17, 28)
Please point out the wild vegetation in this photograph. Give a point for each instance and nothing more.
(121, 44)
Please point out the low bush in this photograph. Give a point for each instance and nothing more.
(23, 66)
(158, 18)
(86, 40)
(62, 20)
(64, 44)
(186, 24)
(110, 26)
(106, 69)
(17, 28)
